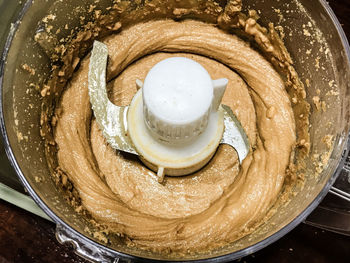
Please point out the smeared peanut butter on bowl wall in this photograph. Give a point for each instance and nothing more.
(222, 202)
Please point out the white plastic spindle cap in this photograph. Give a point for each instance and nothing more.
(177, 98)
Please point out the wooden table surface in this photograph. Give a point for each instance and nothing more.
(25, 237)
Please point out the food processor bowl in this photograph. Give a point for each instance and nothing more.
(320, 51)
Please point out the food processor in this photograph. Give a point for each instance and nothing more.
(320, 52)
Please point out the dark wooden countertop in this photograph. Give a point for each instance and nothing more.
(25, 237)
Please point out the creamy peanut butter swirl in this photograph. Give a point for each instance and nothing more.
(220, 203)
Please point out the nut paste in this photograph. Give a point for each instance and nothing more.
(223, 201)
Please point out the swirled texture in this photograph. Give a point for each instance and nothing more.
(214, 206)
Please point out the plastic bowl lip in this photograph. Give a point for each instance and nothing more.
(224, 258)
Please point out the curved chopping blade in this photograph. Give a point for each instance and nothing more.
(110, 118)
(234, 134)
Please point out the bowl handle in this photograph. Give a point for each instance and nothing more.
(333, 215)
(85, 249)
(342, 189)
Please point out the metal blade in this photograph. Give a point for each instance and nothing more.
(234, 134)
(110, 118)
